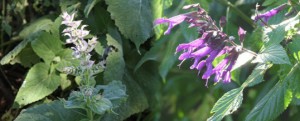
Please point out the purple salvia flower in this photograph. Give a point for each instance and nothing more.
(209, 46)
(241, 33)
(173, 21)
(267, 15)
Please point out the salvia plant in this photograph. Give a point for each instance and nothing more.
(153, 60)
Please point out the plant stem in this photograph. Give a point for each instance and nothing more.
(239, 12)
(89, 111)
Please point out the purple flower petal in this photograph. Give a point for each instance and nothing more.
(267, 15)
(241, 34)
(173, 21)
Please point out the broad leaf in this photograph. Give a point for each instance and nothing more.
(274, 102)
(274, 54)
(136, 101)
(39, 83)
(227, 104)
(115, 61)
(115, 91)
(133, 18)
(44, 23)
(47, 46)
(53, 111)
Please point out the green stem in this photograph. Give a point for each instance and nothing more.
(239, 12)
(89, 111)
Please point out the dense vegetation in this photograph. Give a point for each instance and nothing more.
(114, 60)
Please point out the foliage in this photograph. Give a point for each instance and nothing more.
(135, 74)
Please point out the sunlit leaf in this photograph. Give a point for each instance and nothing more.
(274, 54)
(257, 75)
(39, 83)
(274, 102)
(227, 104)
(47, 46)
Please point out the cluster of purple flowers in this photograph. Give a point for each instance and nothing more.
(211, 44)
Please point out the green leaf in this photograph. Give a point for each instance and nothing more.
(227, 104)
(134, 23)
(100, 106)
(8, 58)
(274, 54)
(47, 46)
(158, 9)
(53, 111)
(38, 84)
(89, 7)
(268, 2)
(115, 91)
(44, 23)
(136, 101)
(115, 61)
(277, 34)
(271, 105)
(154, 53)
(257, 75)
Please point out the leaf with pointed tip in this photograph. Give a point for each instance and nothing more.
(39, 83)
(275, 101)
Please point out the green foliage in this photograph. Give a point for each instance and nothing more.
(134, 23)
(53, 111)
(227, 104)
(39, 83)
(150, 85)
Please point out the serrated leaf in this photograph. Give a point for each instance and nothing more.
(227, 104)
(47, 46)
(277, 33)
(134, 23)
(276, 100)
(53, 111)
(274, 54)
(38, 84)
(272, 104)
(115, 60)
(257, 75)
(89, 7)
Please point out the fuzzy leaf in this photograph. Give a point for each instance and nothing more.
(257, 75)
(53, 111)
(134, 23)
